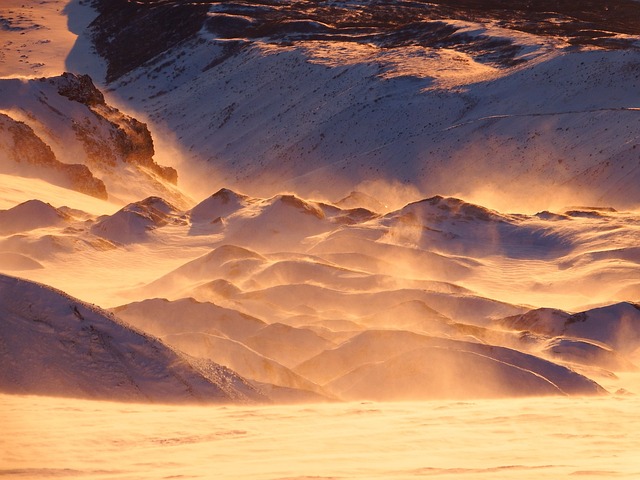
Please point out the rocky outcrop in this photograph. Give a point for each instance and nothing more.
(23, 152)
(61, 129)
(80, 88)
(129, 139)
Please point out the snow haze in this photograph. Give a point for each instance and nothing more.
(340, 240)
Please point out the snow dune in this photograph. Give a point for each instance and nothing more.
(30, 215)
(462, 279)
(52, 344)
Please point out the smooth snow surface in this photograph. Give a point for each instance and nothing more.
(46, 38)
(528, 439)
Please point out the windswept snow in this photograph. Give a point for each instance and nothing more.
(421, 220)
(283, 271)
(52, 344)
(48, 123)
(30, 215)
(362, 171)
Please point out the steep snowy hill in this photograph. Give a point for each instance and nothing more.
(52, 344)
(613, 327)
(448, 98)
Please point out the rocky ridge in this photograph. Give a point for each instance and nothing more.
(49, 121)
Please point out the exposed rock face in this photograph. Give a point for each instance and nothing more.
(23, 152)
(51, 121)
(80, 88)
(129, 34)
(130, 139)
(144, 30)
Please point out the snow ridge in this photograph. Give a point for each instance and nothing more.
(52, 344)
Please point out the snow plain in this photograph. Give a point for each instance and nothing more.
(330, 295)
(530, 439)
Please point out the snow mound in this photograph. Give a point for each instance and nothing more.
(361, 200)
(438, 209)
(241, 342)
(162, 317)
(224, 262)
(386, 365)
(617, 326)
(219, 205)
(30, 215)
(436, 372)
(589, 353)
(301, 343)
(16, 261)
(248, 363)
(134, 222)
(458, 227)
(52, 344)
(277, 224)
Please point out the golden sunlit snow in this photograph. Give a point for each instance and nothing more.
(491, 332)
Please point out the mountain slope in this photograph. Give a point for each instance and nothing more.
(52, 344)
(446, 98)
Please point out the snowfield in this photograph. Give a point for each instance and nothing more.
(376, 240)
(307, 300)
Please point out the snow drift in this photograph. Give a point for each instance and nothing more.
(52, 344)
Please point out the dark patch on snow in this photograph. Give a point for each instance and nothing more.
(128, 34)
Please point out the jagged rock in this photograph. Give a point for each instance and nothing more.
(144, 30)
(23, 152)
(129, 139)
(66, 119)
(80, 88)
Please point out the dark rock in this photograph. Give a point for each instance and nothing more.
(28, 155)
(79, 88)
(129, 34)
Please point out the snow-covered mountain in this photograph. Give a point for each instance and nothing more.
(369, 161)
(53, 344)
(449, 98)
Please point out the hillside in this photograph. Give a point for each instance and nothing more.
(401, 100)
(53, 344)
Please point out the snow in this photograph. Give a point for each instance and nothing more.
(430, 280)
(47, 39)
(418, 270)
(134, 222)
(30, 215)
(112, 145)
(545, 438)
(561, 123)
(53, 344)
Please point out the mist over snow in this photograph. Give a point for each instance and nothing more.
(376, 239)
(309, 301)
(55, 345)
